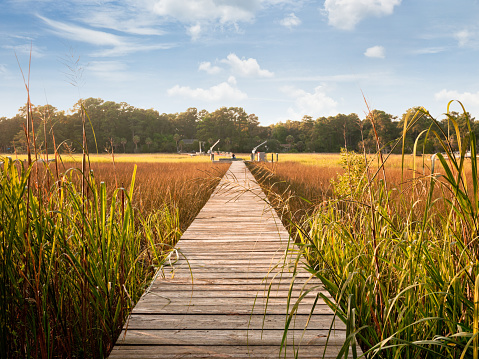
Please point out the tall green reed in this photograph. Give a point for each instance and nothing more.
(75, 256)
(71, 265)
(401, 262)
(412, 288)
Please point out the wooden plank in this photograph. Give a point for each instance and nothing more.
(238, 272)
(231, 337)
(263, 269)
(177, 282)
(227, 301)
(229, 293)
(165, 307)
(228, 322)
(232, 351)
(237, 260)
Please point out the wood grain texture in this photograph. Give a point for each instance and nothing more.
(228, 292)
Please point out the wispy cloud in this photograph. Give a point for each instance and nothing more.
(334, 78)
(246, 67)
(430, 50)
(221, 92)
(26, 49)
(377, 52)
(148, 17)
(346, 14)
(129, 47)
(78, 33)
(21, 37)
(463, 37)
(117, 45)
(105, 66)
(200, 15)
(112, 71)
(133, 20)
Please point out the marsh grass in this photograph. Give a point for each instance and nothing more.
(72, 264)
(400, 258)
(81, 241)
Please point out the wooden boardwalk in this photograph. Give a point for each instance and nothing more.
(227, 296)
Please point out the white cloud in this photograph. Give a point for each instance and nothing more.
(246, 67)
(346, 14)
(290, 21)
(375, 52)
(312, 104)
(221, 92)
(209, 13)
(207, 10)
(145, 17)
(232, 80)
(207, 67)
(467, 98)
(463, 37)
(3, 69)
(194, 31)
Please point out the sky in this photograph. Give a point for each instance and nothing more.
(278, 59)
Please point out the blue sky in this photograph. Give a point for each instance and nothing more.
(279, 59)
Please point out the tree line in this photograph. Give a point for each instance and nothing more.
(123, 128)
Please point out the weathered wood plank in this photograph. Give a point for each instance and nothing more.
(263, 268)
(164, 307)
(238, 260)
(204, 352)
(229, 293)
(222, 321)
(182, 283)
(153, 300)
(250, 337)
(207, 272)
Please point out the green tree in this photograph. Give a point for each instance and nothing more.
(300, 146)
(176, 137)
(148, 142)
(330, 134)
(136, 140)
(184, 123)
(380, 123)
(123, 142)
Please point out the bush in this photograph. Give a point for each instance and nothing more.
(351, 184)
